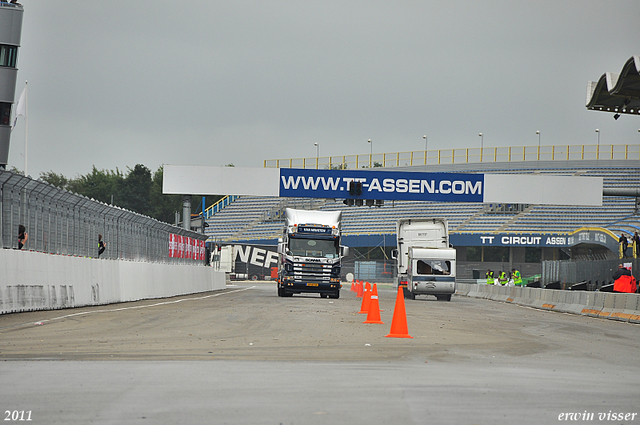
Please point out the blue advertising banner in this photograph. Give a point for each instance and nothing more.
(581, 236)
(390, 185)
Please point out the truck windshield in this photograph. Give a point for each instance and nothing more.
(433, 267)
(314, 247)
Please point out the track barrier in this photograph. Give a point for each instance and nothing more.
(605, 305)
(34, 281)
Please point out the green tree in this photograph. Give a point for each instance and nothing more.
(100, 185)
(163, 206)
(136, 190)
(57, 180)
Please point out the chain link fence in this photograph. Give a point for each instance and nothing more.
(65, 223)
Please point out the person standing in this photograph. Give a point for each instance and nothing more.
(23, 236)
(502, 278)
(636, 244)
(517, 277)
(489, 276)
(101, 245)
(624, 243)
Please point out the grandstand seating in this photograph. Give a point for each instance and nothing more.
(251, 218)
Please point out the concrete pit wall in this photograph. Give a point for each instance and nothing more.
(606, 305)
(32, 281)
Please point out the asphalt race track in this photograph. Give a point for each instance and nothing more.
(246, 356)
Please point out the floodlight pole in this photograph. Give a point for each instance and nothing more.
(426, 141)
(598, 147)
(538, 133)
(317, 154)
(370, 153)
(481, 145)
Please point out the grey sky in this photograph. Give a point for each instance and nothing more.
(114, 84)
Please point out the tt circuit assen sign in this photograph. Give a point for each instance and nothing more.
(581, 236)
(379, 184)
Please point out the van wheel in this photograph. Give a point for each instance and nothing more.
(408, 294)
(446, 297)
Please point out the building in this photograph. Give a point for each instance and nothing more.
(10, 32)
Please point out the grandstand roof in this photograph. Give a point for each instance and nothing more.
(619, 93)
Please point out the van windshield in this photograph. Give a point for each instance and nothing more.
(433, 267)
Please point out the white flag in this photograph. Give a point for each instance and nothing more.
(21, 107)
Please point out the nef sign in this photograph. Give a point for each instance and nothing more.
(454, 187)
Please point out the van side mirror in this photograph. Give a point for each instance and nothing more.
(344, 251)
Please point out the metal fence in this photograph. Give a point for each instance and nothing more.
(462, 156)
(598, 272)
(371, 270)
(65, 223)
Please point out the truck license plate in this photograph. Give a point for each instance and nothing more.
(312, 284)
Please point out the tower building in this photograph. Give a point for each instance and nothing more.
(10, 32)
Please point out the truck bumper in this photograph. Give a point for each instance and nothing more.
(432, 288)
(311, 287)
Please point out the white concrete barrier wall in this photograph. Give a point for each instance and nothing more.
(38, 281)
(609, 305)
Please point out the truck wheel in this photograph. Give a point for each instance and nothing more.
(446, 297)
(280, 292)
(324, 295)
(254, 277)
(335, 295)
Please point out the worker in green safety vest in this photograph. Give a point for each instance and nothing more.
(490, 279)
(502, 278)
(517, 277)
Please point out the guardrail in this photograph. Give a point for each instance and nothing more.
(65, 223)
(213, 209)
(462, 156)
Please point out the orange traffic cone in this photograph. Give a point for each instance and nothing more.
(360, 290)
(352, 287)
(366, 300)
(399, 322)
(373, 316)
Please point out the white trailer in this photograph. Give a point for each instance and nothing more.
(426, 262)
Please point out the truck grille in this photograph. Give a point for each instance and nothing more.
(312, 272)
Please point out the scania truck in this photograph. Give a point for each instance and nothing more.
(310, 253)
(426, 261)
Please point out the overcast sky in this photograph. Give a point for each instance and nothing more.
(114, 84)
